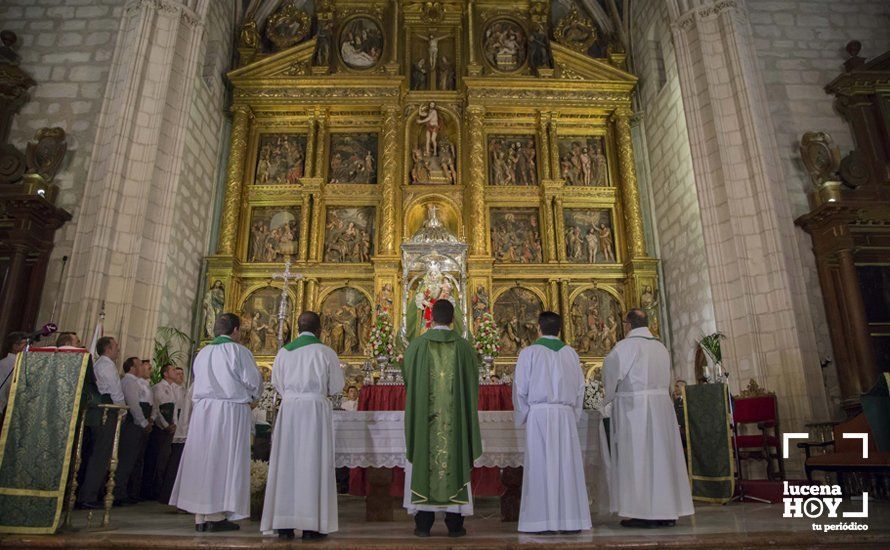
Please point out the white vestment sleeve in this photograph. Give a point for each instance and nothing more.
(579, 392)
(277, 372)
(336, 380)
(130, 387)
(250, 374)
(520, 387)
(611, 376)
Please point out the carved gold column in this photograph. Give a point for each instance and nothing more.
(554, 150)
(310, 148)
(300, 304)
(317, 223)
(549, 224)
(544, 136)
(389, 174)
(630, 196)
(564, 302)
(560, 229)
(473, 67)
(305, 217)
(228, 231)
(475, 203)
(321, 138)
(393, 66)
(553, 290)
(311, 294)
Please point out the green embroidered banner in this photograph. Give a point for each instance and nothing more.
(38, 438)
(709, 442)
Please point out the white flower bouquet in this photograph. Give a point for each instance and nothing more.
(259, 472)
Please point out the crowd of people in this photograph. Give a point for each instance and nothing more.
(191, 448)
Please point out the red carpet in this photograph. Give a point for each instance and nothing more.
(768, 490)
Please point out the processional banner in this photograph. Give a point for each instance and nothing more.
(709, 452)
(38, 437)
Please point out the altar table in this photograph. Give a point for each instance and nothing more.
(376, 439)
(486, 481)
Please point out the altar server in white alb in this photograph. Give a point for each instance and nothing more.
(213, 481)
(548, 397)
(301, 490)
(649, 485)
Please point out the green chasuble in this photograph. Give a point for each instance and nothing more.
(441, 417)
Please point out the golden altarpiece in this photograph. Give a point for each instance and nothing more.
(364, 115)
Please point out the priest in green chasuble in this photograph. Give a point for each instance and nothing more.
(441, 424)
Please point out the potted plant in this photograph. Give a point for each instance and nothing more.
(710, 344)
(169, 349)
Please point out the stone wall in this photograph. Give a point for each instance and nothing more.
(800, 49)
(675, 203)
(66, 46)
(206, 142)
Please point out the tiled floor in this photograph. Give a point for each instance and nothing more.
(747, 525)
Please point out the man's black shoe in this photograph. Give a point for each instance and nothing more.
(667, 523)
(458, 533)
(313, 535)
(421, 533)
(286, 534)
(95, 505)
(124, 502)
(639, 523)
(201, 527)
(575, 532)
(222, 525)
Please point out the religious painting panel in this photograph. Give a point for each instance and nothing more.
(504, 45)
(349, 234)
(596, 322)
(346, 321)
(274, 233)
(432, 57)
(589, 238)
(433, 147)
(352, 158)
(281, 159)
(361, 43)
(515, 236)
(582, 160)
(259, 321)
(512, 160)
(516, 314)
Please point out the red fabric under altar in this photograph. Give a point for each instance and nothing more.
(486, 482)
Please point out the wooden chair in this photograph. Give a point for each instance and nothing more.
(845, 455)
(763, 411)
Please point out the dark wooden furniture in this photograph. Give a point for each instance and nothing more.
(850, 228)
(766, 445)
(845, 455)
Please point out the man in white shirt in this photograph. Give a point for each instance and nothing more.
(157, 452)
(213, 481)
(15, 343)
(137, 425)
(548, 397)
(301, 491)
(181, 415)
(108, 384)
(649, 483)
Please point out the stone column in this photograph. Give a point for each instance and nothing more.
(475, 188)
(389, 171)
(754, 264)
(228, 227)
(630, 195)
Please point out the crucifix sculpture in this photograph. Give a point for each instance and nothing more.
(285, 277)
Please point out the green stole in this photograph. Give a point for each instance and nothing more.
(304, 340)
(553, 344)
(441, 417)
(222, 339)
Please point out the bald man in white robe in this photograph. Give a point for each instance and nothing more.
(649, 484)
(213, 481)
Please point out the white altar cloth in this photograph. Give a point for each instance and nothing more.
(376, 439)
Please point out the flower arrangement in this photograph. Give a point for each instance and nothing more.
(380, 340)
(594, 391)
(487, 339)
(269, 399)
(259, 472)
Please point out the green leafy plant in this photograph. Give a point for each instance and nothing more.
(710, 344)
(170, 347)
